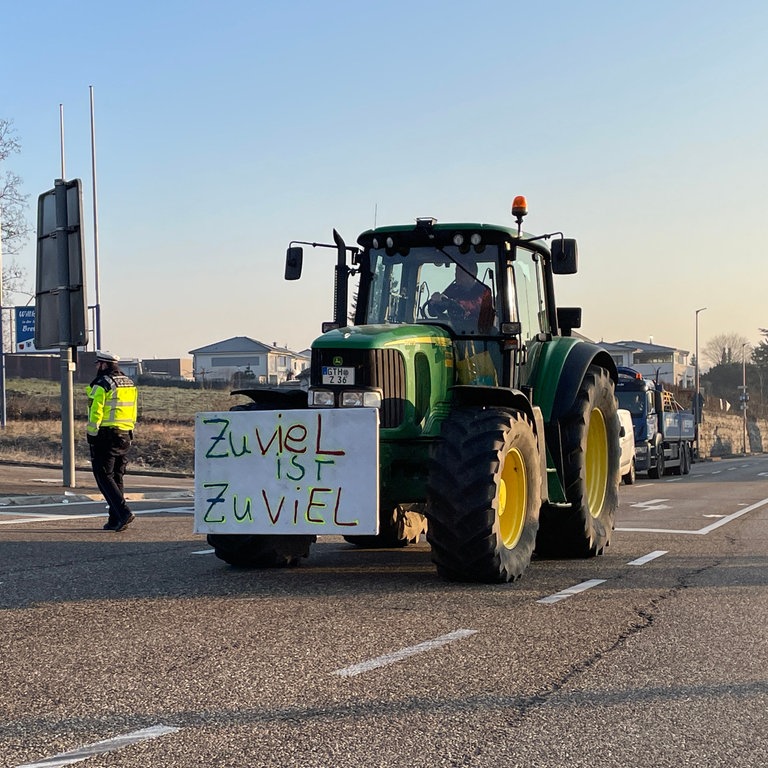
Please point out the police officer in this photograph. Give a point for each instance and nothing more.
(112, 406)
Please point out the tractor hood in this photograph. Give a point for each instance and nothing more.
(382, 336)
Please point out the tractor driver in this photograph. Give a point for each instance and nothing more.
(466, 301)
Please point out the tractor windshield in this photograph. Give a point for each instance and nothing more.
(428, 285)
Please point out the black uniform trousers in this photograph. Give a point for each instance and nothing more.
(109, 459)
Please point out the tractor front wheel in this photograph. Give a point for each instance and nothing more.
(484, 495)
(260, 551)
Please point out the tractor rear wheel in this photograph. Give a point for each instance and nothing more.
(260, 551)
(398, 528)
(484, 495)
(591, 455)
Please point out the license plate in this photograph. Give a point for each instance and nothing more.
(334, 375)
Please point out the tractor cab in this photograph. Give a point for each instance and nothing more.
(489, 286)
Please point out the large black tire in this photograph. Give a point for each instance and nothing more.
(265, 551)
(631, 476)
(684, 466)
(397, 528)
(685, 461)
(658, 469)
(591, 457)
(484, 495)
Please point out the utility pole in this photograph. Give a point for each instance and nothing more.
(3, 406)
(696, 394)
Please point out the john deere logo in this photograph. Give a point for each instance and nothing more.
(337, 361)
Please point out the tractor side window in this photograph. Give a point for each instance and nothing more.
(385, 304)
(529, 294)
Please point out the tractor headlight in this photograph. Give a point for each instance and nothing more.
(361, 400)
(321, 398)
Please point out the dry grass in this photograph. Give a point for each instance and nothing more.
(156, 447)
(41, 399)
(164, 435)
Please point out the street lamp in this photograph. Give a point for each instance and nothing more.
(697, 404)
(743, 397)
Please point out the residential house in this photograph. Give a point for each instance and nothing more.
(242, 360)
(659, 363)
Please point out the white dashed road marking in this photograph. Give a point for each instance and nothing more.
(647, 558)
(571, 591)
(391, 658)
(100, 747)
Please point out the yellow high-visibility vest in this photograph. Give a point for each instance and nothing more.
(113, 403)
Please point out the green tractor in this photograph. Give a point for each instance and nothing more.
(498, 430)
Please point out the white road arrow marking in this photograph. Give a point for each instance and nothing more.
(651, 504)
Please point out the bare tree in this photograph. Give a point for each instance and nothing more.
(13, 206)
(724, 348)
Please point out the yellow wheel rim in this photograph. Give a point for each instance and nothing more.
(596, 462)
(513, 498)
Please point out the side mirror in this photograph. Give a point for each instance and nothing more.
(568, 318)
(565, 256)
(294, 258)
(511, 329)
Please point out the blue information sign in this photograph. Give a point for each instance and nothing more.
(25, 329)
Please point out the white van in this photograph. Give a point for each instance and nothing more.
(627, 443)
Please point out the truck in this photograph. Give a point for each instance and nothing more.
(665, 432)
(494, 438)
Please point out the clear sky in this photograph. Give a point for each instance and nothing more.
(226, 129)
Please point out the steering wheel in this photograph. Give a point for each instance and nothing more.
(423, 311)
(450, 310)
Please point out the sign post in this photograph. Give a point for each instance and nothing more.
(60, 307)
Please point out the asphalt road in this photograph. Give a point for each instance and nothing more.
(141, 648)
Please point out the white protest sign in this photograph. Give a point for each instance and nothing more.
(301, 471)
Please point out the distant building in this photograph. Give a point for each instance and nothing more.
(243, 360)
(659, 363)
(168, 368)
(47, 366)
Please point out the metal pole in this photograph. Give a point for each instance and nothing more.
(61, 139)
(3, 402)
(65, 343)
(97, 308)
(744, 396)
(696, 395)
